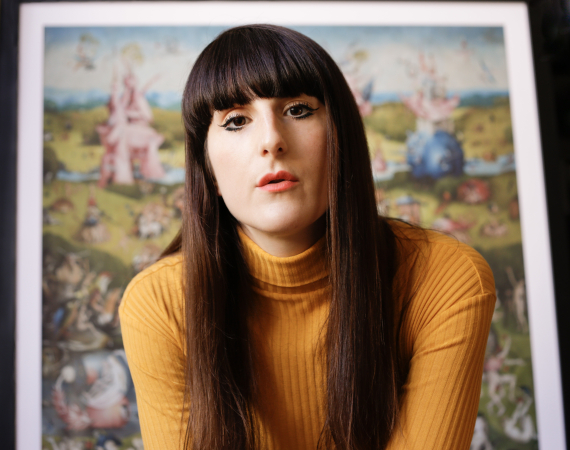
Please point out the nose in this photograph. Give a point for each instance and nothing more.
(272, 136)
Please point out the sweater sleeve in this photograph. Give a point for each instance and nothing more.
(150, 323)
(445, 332)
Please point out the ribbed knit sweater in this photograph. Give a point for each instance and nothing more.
(444, 334)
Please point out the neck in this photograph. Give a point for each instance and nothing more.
(284, 245)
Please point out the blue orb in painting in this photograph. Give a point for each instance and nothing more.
(434, 155)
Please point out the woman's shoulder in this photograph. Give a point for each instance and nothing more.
(156, 293)
(433, 261)
(162, 272)
(160, 268)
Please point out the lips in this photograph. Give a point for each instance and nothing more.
(277, 182)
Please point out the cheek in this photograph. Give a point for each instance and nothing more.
(323, 172)
(220, 163)
(319, 157)
(229, 172)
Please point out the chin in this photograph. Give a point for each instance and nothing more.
(277, 224)
(286, 224)
(279, 228)
(280, 220)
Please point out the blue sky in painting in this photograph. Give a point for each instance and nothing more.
(468, 58)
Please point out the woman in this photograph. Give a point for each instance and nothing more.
(287, 314)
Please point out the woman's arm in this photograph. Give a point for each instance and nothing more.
(150, 315)
(443, 337)
(441, 395)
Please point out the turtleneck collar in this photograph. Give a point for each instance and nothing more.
(292, 271)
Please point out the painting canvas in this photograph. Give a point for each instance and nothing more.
(437, 105)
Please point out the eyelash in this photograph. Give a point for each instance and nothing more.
(226, 124)
(309, 113)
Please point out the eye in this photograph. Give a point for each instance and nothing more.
(300, 111)
(235, 123)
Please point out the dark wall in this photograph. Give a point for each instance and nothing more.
(8, 58)
(550, 24)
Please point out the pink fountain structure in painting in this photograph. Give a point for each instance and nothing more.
(128, 136)
(430, 103)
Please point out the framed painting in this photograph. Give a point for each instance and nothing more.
(447, 96)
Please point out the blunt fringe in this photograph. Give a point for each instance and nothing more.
(360, 355)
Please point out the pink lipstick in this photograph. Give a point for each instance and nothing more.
(277, 182)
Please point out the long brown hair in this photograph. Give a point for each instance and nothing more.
(264, 61)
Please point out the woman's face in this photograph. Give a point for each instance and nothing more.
(270, 161)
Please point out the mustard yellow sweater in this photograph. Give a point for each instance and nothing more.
(445, 332)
